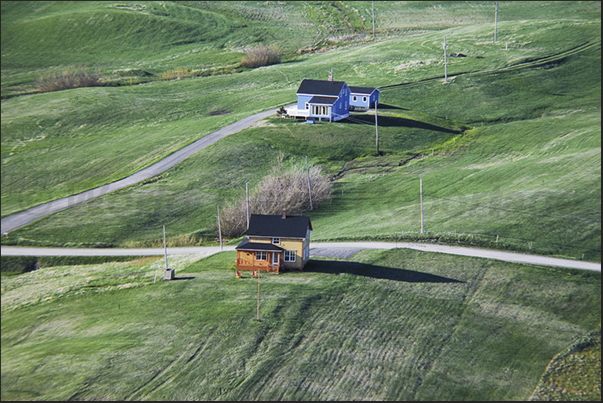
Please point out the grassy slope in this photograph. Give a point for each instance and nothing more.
(398, 325)
(574, 374)
(153, 120)
(538, 153)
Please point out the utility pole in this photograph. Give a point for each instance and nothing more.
(376, 130)
(219, 228)
(445, 63)
(165, 248)
(495, 21)
(309, 184)
(258, 315)
(247, 201)
(421, 190)
(373, 19)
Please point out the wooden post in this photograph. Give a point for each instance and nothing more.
(309, 183)
(219, 228)
(376, 130)
(445, 63)
(247, 201)
(421, 191)
(165, 248)
(373, 19)
(258, 315)
(495, 21)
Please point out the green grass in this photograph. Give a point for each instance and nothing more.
(511, 144)
(530, 176)
(400, 325)
(48, 139)
(574, 374)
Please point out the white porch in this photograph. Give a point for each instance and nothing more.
(293, 112)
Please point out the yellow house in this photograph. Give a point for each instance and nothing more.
(275, 242)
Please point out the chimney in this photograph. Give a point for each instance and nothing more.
(284, 214)
(330, 78)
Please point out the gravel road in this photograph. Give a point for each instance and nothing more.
(325, 249)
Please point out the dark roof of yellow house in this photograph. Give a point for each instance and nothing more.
(278, 227)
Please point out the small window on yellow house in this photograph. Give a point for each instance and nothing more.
(261, 256)
(276, 241)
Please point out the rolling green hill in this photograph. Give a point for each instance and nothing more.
(384, 325)
(509, 150)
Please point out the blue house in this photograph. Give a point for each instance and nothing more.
(363, 97)
(321, 99)
(331, 100)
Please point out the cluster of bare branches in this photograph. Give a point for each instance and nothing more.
(262, 56)
(276, 192)
(70, 78)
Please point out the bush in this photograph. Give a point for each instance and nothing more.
(70, 78)
(18, 264)
(276, 192)
(262, 56)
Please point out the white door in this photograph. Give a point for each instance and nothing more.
(275, 259)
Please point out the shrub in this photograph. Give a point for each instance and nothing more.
(178, 73)
(262, 56)
(69, 78)
(276, 192)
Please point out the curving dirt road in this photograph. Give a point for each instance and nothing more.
(18, 220)
(327, 249)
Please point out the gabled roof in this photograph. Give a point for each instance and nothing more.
(321, 87)
(362, 90)
(278, 227)
(322, 100)
(258, 246)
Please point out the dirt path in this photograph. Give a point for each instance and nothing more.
(18, 220)
(326, 249)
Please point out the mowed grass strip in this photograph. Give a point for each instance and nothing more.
(397, 324)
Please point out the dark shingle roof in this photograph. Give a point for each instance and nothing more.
(323, 100)
(362, 90)
(258, 246)
(320, 87)
(278, 227)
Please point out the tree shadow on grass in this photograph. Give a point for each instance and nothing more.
(380, 272)
(392, 121)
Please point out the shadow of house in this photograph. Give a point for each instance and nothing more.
(391, 121)
(378, 272)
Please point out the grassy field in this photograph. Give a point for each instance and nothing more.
(508, 149)
(523, 168)
(400, 325)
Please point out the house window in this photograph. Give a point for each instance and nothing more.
(261, 256)
(363, 99)
(290, 256)
(276, 241)
(354, 98)
(307, 106)
(275, 259)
